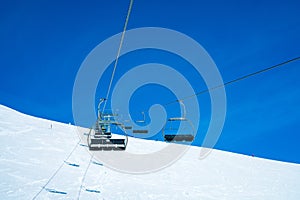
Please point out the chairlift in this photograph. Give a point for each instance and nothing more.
(101, 135)
(142, 121)
(126, 126)
(179, 129)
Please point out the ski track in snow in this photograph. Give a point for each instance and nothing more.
(31, 152)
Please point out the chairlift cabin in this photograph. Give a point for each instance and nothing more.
(127, 125)
(105, 134)
(179, 129)
(141, 121)
(130, 126)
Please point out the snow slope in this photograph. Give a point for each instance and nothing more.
(31, 152)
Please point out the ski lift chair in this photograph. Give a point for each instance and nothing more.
(179, 129)
(142, 121)
(100, 136)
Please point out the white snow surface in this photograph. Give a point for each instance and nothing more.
(31, 152)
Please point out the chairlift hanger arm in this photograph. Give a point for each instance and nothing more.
(100, 102)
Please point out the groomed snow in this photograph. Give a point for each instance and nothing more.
(31, 152)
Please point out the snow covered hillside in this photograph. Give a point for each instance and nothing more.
(31, 152)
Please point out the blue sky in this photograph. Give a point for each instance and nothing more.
(43, 44)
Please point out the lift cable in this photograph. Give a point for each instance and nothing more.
(119, 51)
(235, 80)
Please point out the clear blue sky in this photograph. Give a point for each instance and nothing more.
(43, 44)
